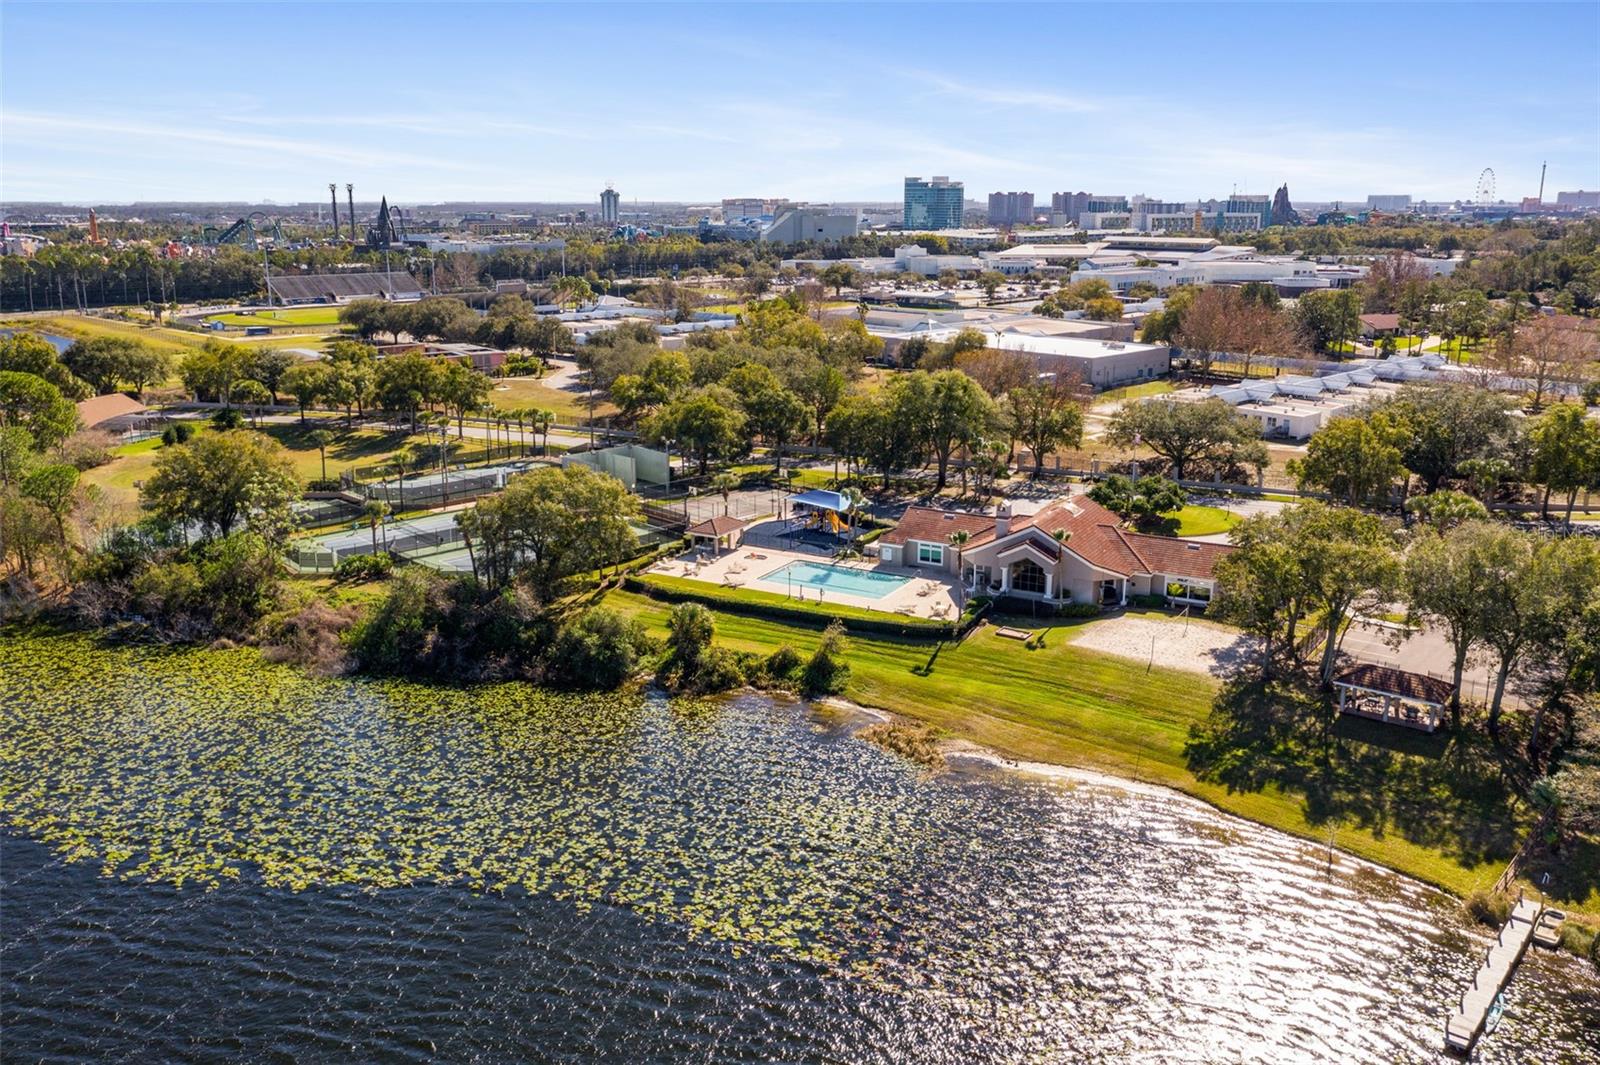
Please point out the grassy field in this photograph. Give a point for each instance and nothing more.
(1419, 804)
(1127, 392)
(176, 341)
(283, 316)
(569, 407)
(119, 478)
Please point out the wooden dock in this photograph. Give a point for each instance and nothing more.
(1466, 1022)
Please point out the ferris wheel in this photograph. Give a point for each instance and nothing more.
(1485, 193)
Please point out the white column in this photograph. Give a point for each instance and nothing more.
(1124, 592)
(1005, 578)
(1049, 580)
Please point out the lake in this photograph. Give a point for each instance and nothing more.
(209, 858)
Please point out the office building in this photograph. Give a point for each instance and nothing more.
(933, 204)
(1010, 208)
(1395, 202)
(1578, 199)
(610, 206)
(1157, 216)
(1244, 213)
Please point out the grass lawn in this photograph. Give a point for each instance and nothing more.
(1419, 804)
(569, 407)
(1127, 392)
(175, 341)
(283, 316)
(1457, 350)
(1196, 520)
(119, 478)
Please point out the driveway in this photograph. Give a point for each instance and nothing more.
(1427, 652)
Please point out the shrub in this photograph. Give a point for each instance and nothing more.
(177, 433)
(1150, 602)
(522, 366)
(358, 568)
(310, 637)
(914, 742)
(433, 625)
(332, 484)
(1486, 907)
(88, 449)
(782, 665)
(827, 672)
(1077, 610)
(720, 670)
(598, 650)
(690, 630)
(227, 418)
(760, 604)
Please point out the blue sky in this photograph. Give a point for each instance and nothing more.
(247, 101)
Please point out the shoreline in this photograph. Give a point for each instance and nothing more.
(966, 750)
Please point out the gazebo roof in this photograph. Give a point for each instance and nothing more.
(720, 525)
(1396, 682)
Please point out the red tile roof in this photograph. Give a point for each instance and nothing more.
(932, 525)
(1178, 557)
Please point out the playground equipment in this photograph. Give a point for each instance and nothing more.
(825, 519)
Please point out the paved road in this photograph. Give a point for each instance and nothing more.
(1425, 652)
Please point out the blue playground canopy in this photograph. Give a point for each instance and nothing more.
(821, 499)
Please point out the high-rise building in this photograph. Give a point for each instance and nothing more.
(1578, 199)
(610, 206)
(1071, 204)
(934, 204)
(1245, 213)
(1010, 208)
(1398, 202)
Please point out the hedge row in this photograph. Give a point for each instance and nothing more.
(781, 608)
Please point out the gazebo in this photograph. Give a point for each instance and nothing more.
(1393, 696)
(719, 533)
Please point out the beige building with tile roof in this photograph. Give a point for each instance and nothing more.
(1070, 551)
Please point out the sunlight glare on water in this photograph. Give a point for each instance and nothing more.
(209, 858)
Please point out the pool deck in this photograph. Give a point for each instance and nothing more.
(927, 594)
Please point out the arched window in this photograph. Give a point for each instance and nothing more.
(1026, 576)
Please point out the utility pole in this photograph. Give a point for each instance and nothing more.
(333, 194)
(350, 195)
(1542, 168)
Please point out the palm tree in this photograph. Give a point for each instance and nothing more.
(853, 502)
(519, 417)
(541, 420)
(958, 540)
(467, 522)
(402, 458)
(724, 484)
(441, 422)
(321, 438)
(375, 510)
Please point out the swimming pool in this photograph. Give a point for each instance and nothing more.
(865, 583)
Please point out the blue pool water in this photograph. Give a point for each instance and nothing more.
(865, 583)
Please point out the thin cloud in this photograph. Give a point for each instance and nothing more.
(1001, 96)
(57, 128)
